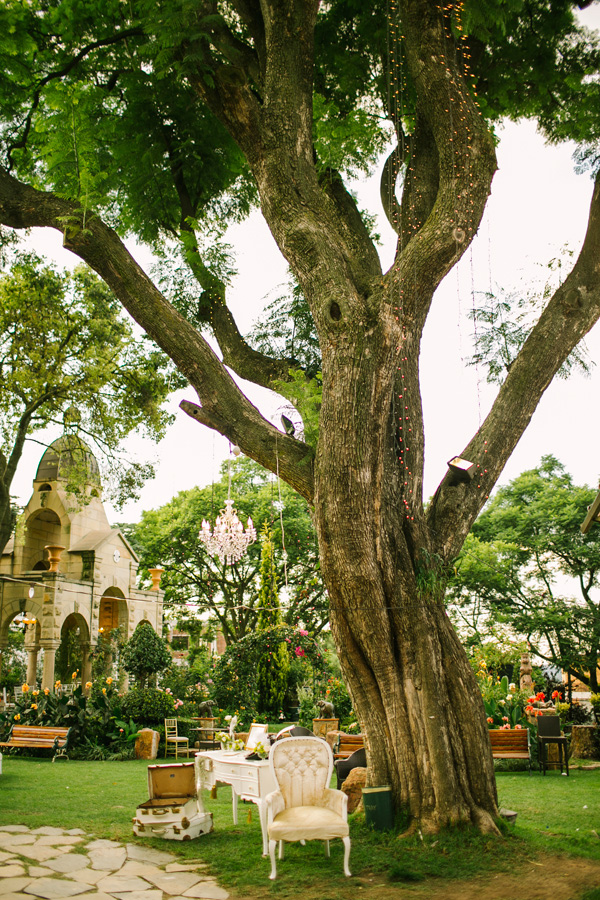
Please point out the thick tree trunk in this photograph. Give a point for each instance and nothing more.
(413, 690)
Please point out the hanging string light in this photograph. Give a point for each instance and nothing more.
(227, 540)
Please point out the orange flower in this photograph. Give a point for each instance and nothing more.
(24, 688)
(17, 717)
(34, 705)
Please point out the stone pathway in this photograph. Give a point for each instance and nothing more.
(55, 863)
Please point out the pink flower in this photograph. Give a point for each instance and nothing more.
(505, 718)
(505, 726)
(303, 633)
(299, 651)
(490, 720)
(518, 726)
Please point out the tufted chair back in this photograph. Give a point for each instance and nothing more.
(302, 768)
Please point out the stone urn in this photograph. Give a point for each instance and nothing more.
(54, 552)
(155, 575)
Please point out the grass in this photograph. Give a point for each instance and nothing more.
(101, 798)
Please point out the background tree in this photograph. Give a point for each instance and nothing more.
(67, 355)
(526, 555)
(225, 596)
(274, 664)
(145, 654)
(160, 118)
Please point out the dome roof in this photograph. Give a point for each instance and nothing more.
(69, 457)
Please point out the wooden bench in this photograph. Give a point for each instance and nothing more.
(346, 744)
(39, 737)
(511, 743)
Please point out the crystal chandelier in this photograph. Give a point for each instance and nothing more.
(228, 540)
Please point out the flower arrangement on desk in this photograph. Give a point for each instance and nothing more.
(261, 750)
(229, 742)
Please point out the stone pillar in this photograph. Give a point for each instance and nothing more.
(86, 665)
(32, 655)
(50, 648)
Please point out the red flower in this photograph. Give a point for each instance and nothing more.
(556, 695)
(299, 651)
(540, 696)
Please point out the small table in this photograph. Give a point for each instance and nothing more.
(250, 779)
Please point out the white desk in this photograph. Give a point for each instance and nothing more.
(249, 779)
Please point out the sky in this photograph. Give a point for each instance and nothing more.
(538, 206)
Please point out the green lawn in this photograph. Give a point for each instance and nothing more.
(101, 798)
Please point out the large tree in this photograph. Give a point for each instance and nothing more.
(69, 357)
(153, 116)
(528, 563)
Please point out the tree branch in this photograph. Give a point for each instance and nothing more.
(224, 406)
(570, 314)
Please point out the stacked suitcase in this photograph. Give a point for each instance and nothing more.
(174, 810)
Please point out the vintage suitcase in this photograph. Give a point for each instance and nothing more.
(174, 810)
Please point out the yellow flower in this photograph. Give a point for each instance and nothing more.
(18, 717)
(109, 681)
(24, 688)
(88, 685)
(34, 705)
(46, 691)
(74, 675)
(34, 693)
(57, 684)
(103, 690)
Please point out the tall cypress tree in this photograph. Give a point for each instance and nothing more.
(273, 667)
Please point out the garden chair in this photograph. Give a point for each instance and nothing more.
(548, 732)
(174, 745)
(343, 767)
(304, 807)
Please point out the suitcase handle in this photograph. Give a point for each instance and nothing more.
(160, 812)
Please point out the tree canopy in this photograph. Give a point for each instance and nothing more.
(166, 119)
(69, 357)
(526, 558)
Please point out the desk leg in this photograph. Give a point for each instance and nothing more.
(262, 812)
(234, 805)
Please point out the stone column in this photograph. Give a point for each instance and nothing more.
(32, 647)
(50, 648)
(86, 665)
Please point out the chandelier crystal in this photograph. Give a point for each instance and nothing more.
(227, 540)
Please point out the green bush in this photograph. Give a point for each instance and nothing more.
(147, 706)
(145, 654)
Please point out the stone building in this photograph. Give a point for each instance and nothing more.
(67, 569)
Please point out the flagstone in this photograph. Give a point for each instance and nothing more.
(109, 858)
(11, 871)
(9, 841)
(88, 876)
(39, 871)
(14, 828)
(53, 888)
(69, 862)
(7, 857)
(185, 867)
(41, 854)
(48, 829)
(16, 896)
(75, 831)
(62, 839)
(13, 885)
(102, 843)
(115, 883)
(97, 895)
(173, 882)
(207, 890)
(147, 854)
(136, 867)
(140, 895)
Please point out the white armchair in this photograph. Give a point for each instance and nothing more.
(305, 808)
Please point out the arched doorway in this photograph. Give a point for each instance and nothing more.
(112, 632)
(71, 665)
(43, 528)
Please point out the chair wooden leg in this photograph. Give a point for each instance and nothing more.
(346, 841)
(281, 850)
(327, 850)
(273, 874)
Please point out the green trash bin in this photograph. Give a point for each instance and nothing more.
(379, 811)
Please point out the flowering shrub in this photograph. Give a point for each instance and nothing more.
(504, 703)
(99, 728)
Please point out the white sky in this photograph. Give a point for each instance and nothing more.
(538, 205)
